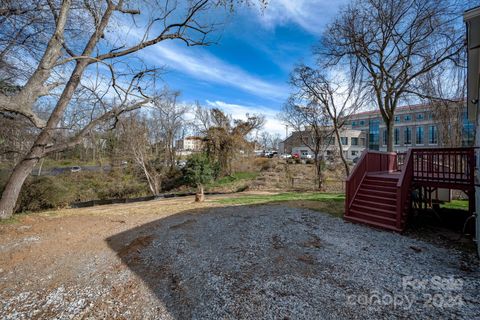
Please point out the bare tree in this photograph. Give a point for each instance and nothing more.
(136, 136)
(167, 119)
(327, 94)
(393, 43)
(276, 139)
(443, 89)
(266, 140)
(225, 137)
(47, 48)
(311, 128)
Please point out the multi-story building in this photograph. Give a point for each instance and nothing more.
(417, 126)
(414, 126)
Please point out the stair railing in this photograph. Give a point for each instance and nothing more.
(403, 187)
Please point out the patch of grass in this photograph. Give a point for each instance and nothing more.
(456, 204)
(236, 177)
(332, 203)
(280, 197)
(16, 218)
(239, 176)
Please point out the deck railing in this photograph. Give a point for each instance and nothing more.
(451, 168)
(444, 166)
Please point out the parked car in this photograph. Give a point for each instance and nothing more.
(286, 156)
(272, 154)
(296, 156)
(75, 169)
(181, 163)
(306, 156)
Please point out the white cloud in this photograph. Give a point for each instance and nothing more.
(311, 15)
(206, 67)
(272, 125)
(200, 64)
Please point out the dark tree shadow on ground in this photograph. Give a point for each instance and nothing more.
(268, 261)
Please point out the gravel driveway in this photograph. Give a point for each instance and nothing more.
(239, 262)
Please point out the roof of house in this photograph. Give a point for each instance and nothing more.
(412, 107)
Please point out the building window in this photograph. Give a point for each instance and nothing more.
(344, 140)
(374, 134)
(396, 136)
(397, 119)
(354, 141)
(432, 135)
(354, 153)
(420, 116)
(362, 122)
(407, 118)
(407, 135)
(354, 123)
(419, 136)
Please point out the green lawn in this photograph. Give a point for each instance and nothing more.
(456, 204)
(332, 203)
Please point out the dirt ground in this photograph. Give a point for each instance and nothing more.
(175, 259)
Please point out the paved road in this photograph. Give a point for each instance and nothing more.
(59, 170)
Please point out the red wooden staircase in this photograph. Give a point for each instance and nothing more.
(375, 202)
(380, 186)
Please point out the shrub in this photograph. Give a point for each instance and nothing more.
(41, 193)
(198, 171)
(261, 163)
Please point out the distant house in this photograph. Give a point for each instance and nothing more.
(189, 144)
(353, 143)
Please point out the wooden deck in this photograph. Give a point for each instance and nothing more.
(379, 189)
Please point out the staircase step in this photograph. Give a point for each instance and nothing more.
(388, 193)
(373, 224)
(373, 217)
(386, 183)
(377, 187)
(373, 210)
(392, 199)
(376, 204)
(394, 178)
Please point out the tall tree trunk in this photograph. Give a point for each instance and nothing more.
(200, 195)
(318, 168)
(14, 185)
(345, 163)
(389, 123)
(25, 167)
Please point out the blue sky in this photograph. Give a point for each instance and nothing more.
(248, 69)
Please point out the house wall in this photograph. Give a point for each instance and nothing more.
(353, 144)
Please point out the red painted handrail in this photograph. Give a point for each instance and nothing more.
(435, 167)
(403, 188)
(444, 166)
